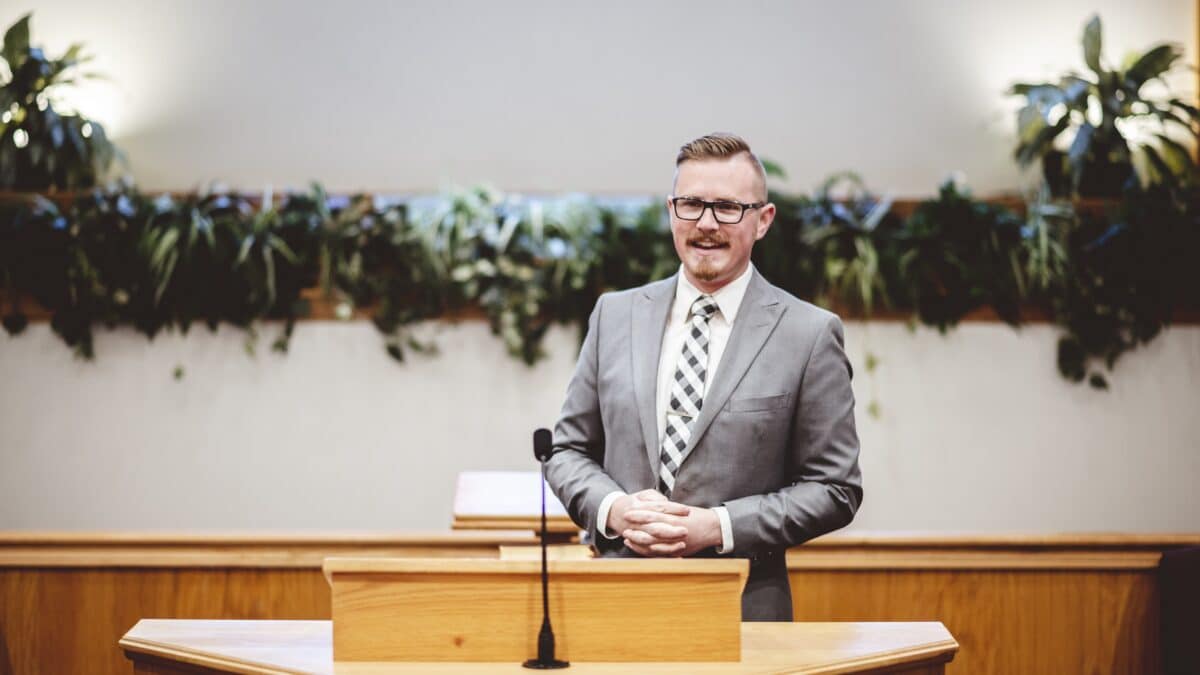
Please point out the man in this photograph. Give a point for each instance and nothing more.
(711, 413)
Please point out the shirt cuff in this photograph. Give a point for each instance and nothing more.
(726, 529)
(602, 514)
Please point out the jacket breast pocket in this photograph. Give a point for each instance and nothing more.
(758, 403)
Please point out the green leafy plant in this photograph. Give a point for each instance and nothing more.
(1046, 256)
(42, 149)
(1127, 270)
(853, 236)
(114, 256)
(1094, 112)
(34, 240)
(1110, 278)
(836, 247)
(1111, 275)
(104, 285)
(960, 254)
(78, 261)
(784, 255)
(634, 246)
(373, 256)
(522, 260)
(217, 257)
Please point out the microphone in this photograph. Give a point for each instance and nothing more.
(543, 450)
(543, 445)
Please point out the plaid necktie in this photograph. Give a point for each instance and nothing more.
(687, 393)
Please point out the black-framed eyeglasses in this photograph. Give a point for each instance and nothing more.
(725, 212)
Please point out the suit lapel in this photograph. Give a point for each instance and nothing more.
(650, 310)
(756, 319)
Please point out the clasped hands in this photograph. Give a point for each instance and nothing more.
(653, 525)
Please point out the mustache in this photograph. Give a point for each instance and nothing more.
(709, 240)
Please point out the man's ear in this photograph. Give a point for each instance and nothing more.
(766, 216)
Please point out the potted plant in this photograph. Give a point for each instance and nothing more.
(41, 148)
(1080, 126)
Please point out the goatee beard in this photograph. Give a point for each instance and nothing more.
(704, 271)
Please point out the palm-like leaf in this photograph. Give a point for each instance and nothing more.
(1100, 159)
(57, 151)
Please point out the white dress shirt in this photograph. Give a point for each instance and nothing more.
(720, 325)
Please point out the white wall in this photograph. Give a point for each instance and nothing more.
(554, 96)
(977, 432)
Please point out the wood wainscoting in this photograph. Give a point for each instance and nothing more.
(1016, 604)
(1069, 604)
(67, 598)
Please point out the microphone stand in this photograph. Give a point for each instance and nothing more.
(545, 659)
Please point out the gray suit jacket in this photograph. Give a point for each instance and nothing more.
(774, 443)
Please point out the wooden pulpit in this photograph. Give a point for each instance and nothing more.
(406, 610)
(459, 615)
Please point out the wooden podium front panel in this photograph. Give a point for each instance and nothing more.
(475, 610)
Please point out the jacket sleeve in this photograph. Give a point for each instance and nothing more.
(825, 487)
(575, 472)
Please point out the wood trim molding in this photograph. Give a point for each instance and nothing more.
(637, 567)
(240, 538)
(860, 551)
(554, 524)
(1120, 540)
(143, 651)
(168, 659)
(241, 550)
(1002, 551)
(950, 559)
(929, 654)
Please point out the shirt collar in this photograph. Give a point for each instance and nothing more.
(728, 297)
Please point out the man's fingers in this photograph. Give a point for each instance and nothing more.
(673, 508)
(650, 496)
(648, 506)
(643, 516)
(639, 537)
(655, 550)
(656, 533)
(674, 548)
(663, 531)
(662, 505)
(639, 549)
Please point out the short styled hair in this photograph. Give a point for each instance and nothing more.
(720, 145)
